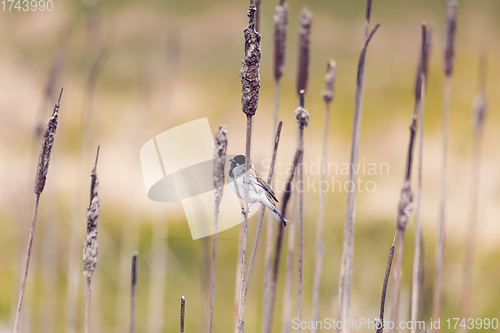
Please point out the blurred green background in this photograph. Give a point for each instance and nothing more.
(163, 63)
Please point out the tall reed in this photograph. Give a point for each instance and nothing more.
(250, 82)
(449, 57)
(379, 321)
(405, 206)
(328, 95)
(91, 247)
(345, 280)
(220, 148)
(479, 110)
(262, 211)
(418, 255)
(279, 241)
(286, 317)
(41, 176)
(280, 38)
(72, 288)
(302, 117)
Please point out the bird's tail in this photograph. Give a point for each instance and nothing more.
(279, 215)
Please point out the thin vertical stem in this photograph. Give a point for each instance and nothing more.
(328, 95)
(244, 227)
(345, 280)
(479, 114)
(279, 243)
(300, 191)
(87, 305)
(415, 297)
(438, 278)
(270, 230)
(287, 290)
(261, 217)
(379, 322)
(27, 264)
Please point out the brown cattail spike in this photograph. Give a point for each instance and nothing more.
(46, 149)
(329, 93)
(183, 312)
(249, 73)
(280, 37)
(306, 18)
(91, 249)
(451, 31)
(220, 156)
(405, 206)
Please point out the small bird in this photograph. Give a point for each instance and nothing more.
(258, 190)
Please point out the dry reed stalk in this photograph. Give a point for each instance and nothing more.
(219, 164)
(305, 23)
(279, 242)
(74, 242)
(262, 211)
(449, 56)
(405, 206)
(379, 322)
(479, 110)
(280, 38)
(418, 255)
(90, 244)
(302, 117)
(133, 292)
(250, 87)
(345, 280)
(183, 312)
(287, 289)
(328, 95)
(41, 176)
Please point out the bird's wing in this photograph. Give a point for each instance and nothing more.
(263, 185)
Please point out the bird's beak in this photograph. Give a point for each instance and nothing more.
(231, 160)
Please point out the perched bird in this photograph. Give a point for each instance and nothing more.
(258, 190)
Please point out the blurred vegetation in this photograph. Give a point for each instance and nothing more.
(168, 62)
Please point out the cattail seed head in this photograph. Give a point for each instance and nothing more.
(451, 31)
(280, 36)
(249, 73)
(426, 51)
(405, 206)
(220, 157)
(329, 92)
(302, 116)
(91, 248)
(46, 148)
(306, 18)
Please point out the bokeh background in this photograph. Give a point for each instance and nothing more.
(131, 70)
